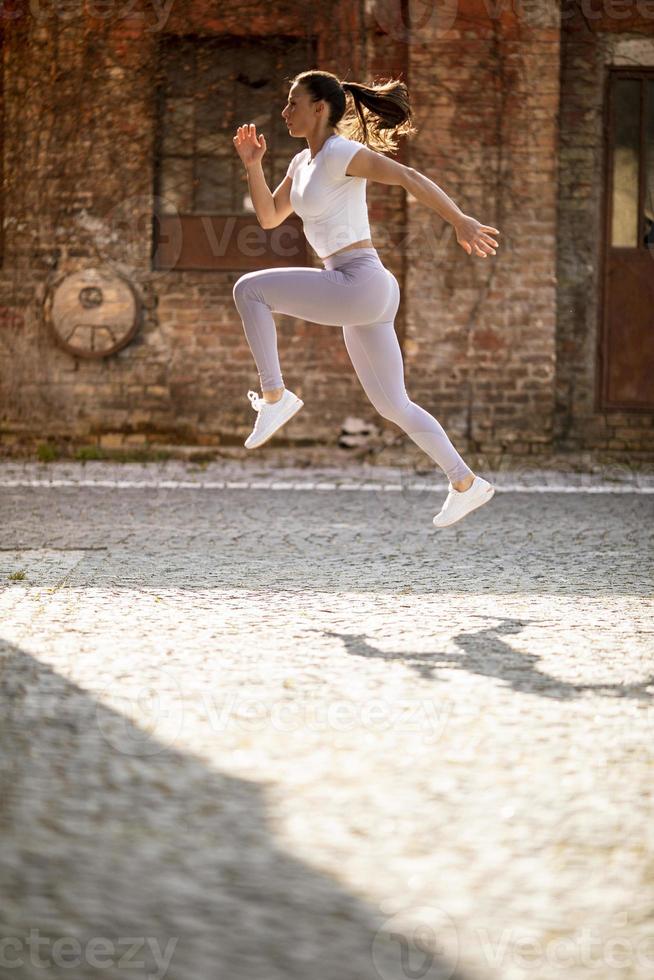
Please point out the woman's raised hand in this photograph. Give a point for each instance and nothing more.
(474, 237)
(249, 146)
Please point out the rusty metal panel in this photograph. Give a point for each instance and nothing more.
(228, 242)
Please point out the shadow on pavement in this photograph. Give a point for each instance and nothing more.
(111, 837)
(486, 654)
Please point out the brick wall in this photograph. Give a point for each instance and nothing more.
(481, 332)
(479, 336)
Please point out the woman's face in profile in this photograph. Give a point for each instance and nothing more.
(299, 112)
(293, 109)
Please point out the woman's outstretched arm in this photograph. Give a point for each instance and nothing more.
(470, 233)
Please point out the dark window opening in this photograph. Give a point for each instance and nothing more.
(207, 87)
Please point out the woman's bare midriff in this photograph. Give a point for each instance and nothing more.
(365, 243)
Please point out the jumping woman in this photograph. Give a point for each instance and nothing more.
(325, 184)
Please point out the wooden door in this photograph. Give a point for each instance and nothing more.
(626, 348)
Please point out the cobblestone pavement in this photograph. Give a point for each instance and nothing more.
(273, 724)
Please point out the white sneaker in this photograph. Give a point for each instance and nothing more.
(272, 416)
(460, 502)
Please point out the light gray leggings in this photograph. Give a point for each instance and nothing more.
(357, 292)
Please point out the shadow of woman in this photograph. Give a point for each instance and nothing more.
(486, 654)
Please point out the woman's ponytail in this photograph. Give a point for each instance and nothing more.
(382, 112)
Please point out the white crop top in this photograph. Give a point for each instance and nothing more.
(332, 205)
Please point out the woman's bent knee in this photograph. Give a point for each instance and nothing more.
(240, 287)
(244, 288)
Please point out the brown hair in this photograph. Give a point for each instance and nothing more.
(377, 115)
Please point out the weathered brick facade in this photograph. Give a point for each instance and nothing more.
(618, 34)
(508, 107)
